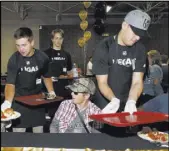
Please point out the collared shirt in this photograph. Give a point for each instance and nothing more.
(66, 119)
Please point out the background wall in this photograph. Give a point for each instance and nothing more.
(159, 36)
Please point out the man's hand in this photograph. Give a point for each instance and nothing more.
(112, 107)
(7, 104)
(51, 95)
(130, 106)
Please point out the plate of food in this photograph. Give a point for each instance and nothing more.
(154, 136)
(9, 114)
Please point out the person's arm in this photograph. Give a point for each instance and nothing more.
(47, 76)
(69, 64)
(49, 84)
(136, 86)
(9, 92)
(107, 92)
(138, 66)
(54, 126)
(10, 84)
(104, 87)
(157, 75)
(135, 92)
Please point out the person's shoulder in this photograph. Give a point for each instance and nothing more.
(66, 52)
(156, 68)
(41, 54)
(107, 41)
(48, 50)
(15, 56)
(93, 106)
(140, 46)
(67, 102)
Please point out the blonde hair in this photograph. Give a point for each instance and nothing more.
(155, 56)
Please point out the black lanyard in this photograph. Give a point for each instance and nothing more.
(81, 119)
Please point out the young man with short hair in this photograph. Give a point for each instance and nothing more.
(25, 69)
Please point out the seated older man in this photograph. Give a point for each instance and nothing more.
(72, 115)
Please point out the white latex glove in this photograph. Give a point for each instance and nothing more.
(51, 95)
(5, 105)
(112, 107)
(130, 106)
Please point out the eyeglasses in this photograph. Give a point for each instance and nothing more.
(76, 93)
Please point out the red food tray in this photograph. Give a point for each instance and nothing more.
(125, 119)
(34, 100)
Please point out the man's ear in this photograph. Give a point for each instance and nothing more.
(32, 42)
(124, 25)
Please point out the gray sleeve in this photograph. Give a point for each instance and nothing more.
(157, 104)
(54, 126)
(152, 105)
(157, 72)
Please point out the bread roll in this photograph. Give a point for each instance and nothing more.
(8, 112)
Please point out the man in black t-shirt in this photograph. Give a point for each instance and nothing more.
(60, 66)
(119, 65)
(25, 69)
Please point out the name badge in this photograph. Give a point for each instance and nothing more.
(38, 81)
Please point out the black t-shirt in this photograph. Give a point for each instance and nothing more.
(25, 72)
(119, 63)
(59, 60)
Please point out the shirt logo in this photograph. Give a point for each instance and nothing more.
(58, 58)
(124, 53)
(28, 62)
(125, 62)
(30, 69)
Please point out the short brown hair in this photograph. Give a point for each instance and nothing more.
(24, 32)
(57, 31)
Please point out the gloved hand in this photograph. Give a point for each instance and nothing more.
(51, 95)
(5, 105)
(112, 107)
(130, 106)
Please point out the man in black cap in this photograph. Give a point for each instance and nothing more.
(119, 65)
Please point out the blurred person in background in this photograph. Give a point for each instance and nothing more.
(152, 82)
(164, 66)
(60, 66)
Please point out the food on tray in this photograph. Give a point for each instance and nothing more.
(2, 115)
(154, 134)
(9, 112)
(158, 136)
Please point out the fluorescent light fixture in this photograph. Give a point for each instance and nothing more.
(108, 8)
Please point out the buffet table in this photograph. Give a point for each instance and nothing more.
(94, 141)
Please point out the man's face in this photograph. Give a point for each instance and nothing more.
(78, 98)
(24, 46)
(57, 40)
(129, 37)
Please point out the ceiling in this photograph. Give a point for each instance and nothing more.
(24, 10)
